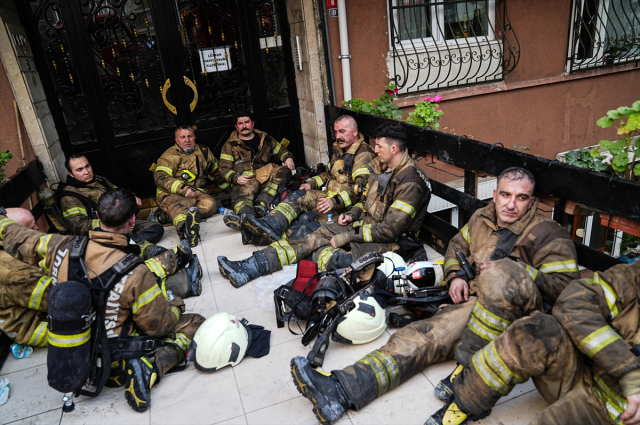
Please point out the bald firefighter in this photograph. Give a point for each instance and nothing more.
(181, 176)
(249, 155)
(137, 296)
(395, 204)
(80, 196)
(520, 261)
(334, 191)
(584, 360)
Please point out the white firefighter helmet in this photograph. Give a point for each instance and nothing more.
(220, 341)
(363, 324)
(425, 273)
(393, 261)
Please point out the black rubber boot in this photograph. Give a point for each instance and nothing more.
(183, 252)
(451, 414)
(261, 209)
(141, 375)
(192, 226)
(241, 272)
(233, 221)
(329, 398)
(194, 276)
(444, 388)
(117, 376)
(268, 226)
(249, 238)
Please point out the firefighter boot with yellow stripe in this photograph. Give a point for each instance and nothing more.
(327, 394)
(241, 272)
(192, 226)
(444, 388)
(233, 221)
(141, 375)
(451, 414)
(269, 226)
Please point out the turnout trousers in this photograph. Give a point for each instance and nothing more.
(553, 362)
(176, 207)
(298, 203)
(244, 197)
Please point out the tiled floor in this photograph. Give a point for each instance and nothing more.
(257, 391)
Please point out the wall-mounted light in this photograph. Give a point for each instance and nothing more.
(298, 54)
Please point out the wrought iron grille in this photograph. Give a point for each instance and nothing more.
(437, 44)
(604, 33)
(213, 56)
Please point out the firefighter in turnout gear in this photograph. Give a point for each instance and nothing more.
(521, 261)
(584, 360)
(344, 182)
(136, 297)
(79, 210)
(396, 203)
(249, 161)
(181, 175)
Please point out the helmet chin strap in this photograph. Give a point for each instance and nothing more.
(188, 152)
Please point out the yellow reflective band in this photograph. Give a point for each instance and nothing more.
(144, 245)
(360, 172)
(452, 262)
(501, 367)
(403, 206)
(146, 298)
(270, 188)
(174, 186)
(357, 223)
(181, 341)
(345, 198)
(39, 337)
(224, 185)
(227, 176)
(615, 404)
(215, 166)
(486, 324)
(179, 218)
(609, 293)
(158, 191)
(324, 257)
(156, 268)
(176, 311)
(533, 272)
(465, 233)
(598, 340)
(282, 255)
(237, 207)
(318, 181)
(95, 223)
(291, 253)
(276, 149)
(43, 245)
(489, 318)
(560, 267)
(286, 254)
(286, 210)
(247, 173)
(385, 370)
(359, 205)
(68, 341)
(146, 361)
(4, 223)
(226, 157)
(283, 156)
(481, 329)
(366, 233)
(165, 169)
(36, 296)
(73, 211)
(483, 367)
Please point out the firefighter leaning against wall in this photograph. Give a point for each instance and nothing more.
(584, 359)
(396, 203)
(138, 295)
(522, 260)
(181, 176)
(249, 161)
(334, 191)
(79, 211)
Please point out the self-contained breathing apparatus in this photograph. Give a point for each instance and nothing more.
(80, 354)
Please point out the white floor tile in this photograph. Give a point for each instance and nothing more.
(225, 245)
(107, 409)
(37, 358)
(240, 420)
(205, 304)
(294, 412)
(232, 300)
(51, 417)
(519, 411)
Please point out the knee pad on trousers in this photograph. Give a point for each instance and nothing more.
(299, 232)
(295, 195)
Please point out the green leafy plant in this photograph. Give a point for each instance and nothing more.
(427, 113)
(520, 148)
(4, 158)
(381, 107)
(624, 153)
(582, 158)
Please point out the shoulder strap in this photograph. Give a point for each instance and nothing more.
(85, 200)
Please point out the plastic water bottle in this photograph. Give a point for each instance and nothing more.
(329, 219)
(4, 390)
(225, 211)
(21, 351)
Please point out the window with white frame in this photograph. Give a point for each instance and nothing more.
(603, 33)
(444, 43)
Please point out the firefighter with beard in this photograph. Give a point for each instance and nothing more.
(396, 203)
(334, 191)
(137, 295)
(79, 210)
(521, 260)
(181, 175)
(248, 156)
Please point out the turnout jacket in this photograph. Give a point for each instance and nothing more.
(238, 159)
(395, 203)
(347, 174)
(137, 294)
(78, 217)
(602, 317)
(540, 243)
(176, 172)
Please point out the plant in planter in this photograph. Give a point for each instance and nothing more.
(427, 113)
(4, 158)
(381, 107)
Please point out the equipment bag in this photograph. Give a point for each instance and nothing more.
(293, 298)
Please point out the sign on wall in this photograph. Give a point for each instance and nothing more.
(332, 7)
(214, 60)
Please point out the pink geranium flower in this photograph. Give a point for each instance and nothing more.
(437, 109)
(437, 99)
(427, 98)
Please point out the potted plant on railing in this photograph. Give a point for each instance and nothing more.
(4, 158)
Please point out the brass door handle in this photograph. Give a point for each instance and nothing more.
(172, 108)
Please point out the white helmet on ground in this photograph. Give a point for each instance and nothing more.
(220, 341)
(393, 261)
(363, 324)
